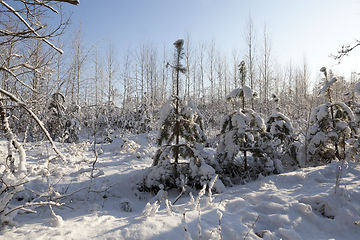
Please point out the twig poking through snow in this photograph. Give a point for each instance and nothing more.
(197, 202)
(183, 187)
(219, 229)
(197, 205)
(211, 185)
(185, 227)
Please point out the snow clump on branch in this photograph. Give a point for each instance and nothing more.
(327, 85)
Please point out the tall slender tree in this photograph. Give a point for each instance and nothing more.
(250, 56)
(179, 119)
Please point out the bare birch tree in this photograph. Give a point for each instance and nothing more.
(266, 68)
(250, 55)
(211, 69)
(22, 26)
(112, 69)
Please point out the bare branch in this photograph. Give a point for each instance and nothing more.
(67, 195)
(345, 49)
(21, 82)
(37, 2)
(107, 188)
(33, 204)
(29, 27)
(74, 2)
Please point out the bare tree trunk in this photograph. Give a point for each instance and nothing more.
(211, 64)
(188, 58)
(266, 69)
(250, 56)
(202, 73)
(79, 58)
(112, 67)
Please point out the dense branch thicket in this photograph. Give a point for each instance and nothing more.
(27, 52)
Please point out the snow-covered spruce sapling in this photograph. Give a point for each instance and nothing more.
(72, 125)
(282, 132)
(351, 99)
(173, 122)
(191, 134)
(179, 54)
(55, 123)
(180, 134)
(332, 128)
(244, 93)
(241, 130)
(353, 152)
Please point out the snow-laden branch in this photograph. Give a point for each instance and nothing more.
(345, 49)
(37, 120)
(328, 84)
(17, 79)
(31, 205)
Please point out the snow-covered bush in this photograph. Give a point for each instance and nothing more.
(353, 150)
(77, 151)
(126, 205)
(240, 130)
(128, 146)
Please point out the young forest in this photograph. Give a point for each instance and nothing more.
(188, 142)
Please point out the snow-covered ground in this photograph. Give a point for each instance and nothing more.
(295, 205)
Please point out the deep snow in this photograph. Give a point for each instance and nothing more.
(294, 205)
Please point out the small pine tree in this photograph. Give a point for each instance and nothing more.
(282, 132)
(189, 148)
(332, 131)
(244, 131)
(353, 150)
(180, 134)
(72, 125)
(57, 113)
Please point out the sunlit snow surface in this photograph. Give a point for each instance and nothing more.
(294, 205)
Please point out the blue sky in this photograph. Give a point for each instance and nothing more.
(310, 28)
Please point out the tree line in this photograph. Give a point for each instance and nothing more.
(140, 79)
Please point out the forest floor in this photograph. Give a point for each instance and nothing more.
(294, 205)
